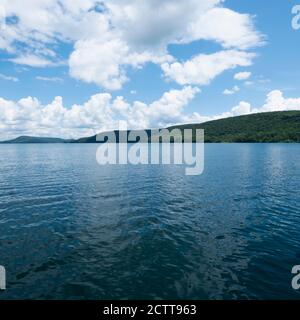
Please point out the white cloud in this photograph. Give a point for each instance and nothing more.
(202, 69)
(109, 37)
(242, 76)
(114, 55)
(84, 62)
(101, 112)
(8, 78)
(275, 101)
(164, 112)
(227, 27)
(241, 109)
(231, 91)
(32, 61)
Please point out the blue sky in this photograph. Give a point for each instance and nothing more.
(42, 60)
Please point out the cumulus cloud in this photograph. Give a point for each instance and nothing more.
(114, 56)
(227, 27)
(241, 109)
(110, 37)
(202, 69)
(84, 62)
(275, 101)
(101, 112)
(242, 76)
(232, 91)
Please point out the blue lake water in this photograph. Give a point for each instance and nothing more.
(72, 229)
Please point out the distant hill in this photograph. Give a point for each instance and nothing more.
(27, 139)
(281, 126)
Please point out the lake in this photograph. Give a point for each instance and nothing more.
(72, 229)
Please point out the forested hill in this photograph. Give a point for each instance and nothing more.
(281, 126)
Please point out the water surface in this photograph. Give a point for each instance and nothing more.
(71, 229)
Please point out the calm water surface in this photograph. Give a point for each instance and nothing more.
(72, 229)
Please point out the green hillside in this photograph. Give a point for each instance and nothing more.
(261, 127)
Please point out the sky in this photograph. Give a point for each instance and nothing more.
(74, 68)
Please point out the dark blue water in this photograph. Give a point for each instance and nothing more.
(72, 229)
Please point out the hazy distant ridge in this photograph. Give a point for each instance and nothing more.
(28, 139)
